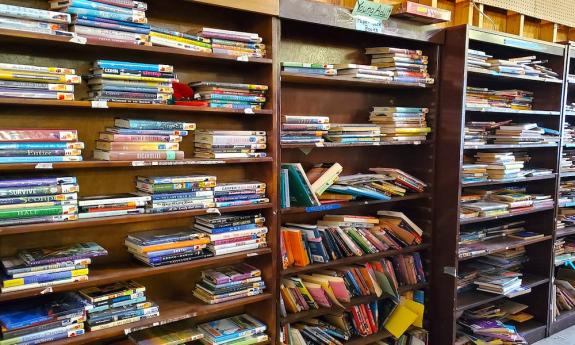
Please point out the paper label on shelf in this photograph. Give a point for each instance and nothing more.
(370, 9)
(368, 24)
(213, 210)
(243, 58)
(252, 254)
(44, 166)
(47, 290)
(319, 144)
(100, 104)
(321, 208)
(78, 40)
(249, 111)
(138, 163)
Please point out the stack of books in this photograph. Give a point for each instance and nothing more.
(564, 250)
(232, 233)
(353, 133)
(524, 133)
(229, 144)
(478, 97)
(488, 330)
(130, 82)
(566, 193)
(177, 193)
(38, 200)
(229, 283)
(473, 173)
(174, 333)
(477, 132)
(163, 37)
(367, 72)
(239, 329)
(230, 95)
(42, 319)
(501, 165)
(243, 193)
(401, 124)
(405, 65)
(309, 68)
(568, 161)
(304, 129)
(472, 241)
(122, 22)
(166, 247)
(29, 81)
(477, 59)
(42, 267)
(568, 134)
(564, 289)
(528, 66)
(38, 145)
(34, 20)
(132, 139)
(112, 205)
(501, 282)
(235, 43)
(339, 236)
(117, 304)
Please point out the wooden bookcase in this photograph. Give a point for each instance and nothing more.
(169, 286)
(548, 110)
(350, 101)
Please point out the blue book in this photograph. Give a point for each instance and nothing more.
(123, 315)
(235, 327)
(111, 21)
(303, 70)
(48, 277)
(131, 131)
(40, 146)
(230, 228)
(419, 296)
(104, 14)
(112, 26)
(117, 304)
(154, 237)
(181, 196)
(239, 197)
(352, 283)
(133, 66)
(40, 159)
(359, 192)
(38, 181)
(56, 336)
(241, 98)
(230, 105)
(165, 252)
(98, 6)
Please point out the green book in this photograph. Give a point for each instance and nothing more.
(306, 65)
(357, 238)
(38, 212)
(299, 186)
(37, 190)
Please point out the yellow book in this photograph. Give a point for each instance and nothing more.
(34, 279)
(417, 308)
(129, 77)
(40, 77)
(521, 317)
(324, 285)
(400, 320)
(180, 39)
(335, 196)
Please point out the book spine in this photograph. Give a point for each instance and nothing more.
(159, 41)
(109, 15)
(136, 146)
(46, 284)
(139, 155)
(111, 26)
(137, 73)
(180, 208)
(169, 32)
(238, 44)
(149, 124)
(21, 93)
(37, 190)
(126, 131)
(159, 89)
(38, 77)
(126, 94)
(38, 212)
(40, 159)
(34, 14)
(129, 100)
(181, 39)
(217, 96)
(181, 202)
(140, 138)
(37, 69)
(26, 24)
(178, 196)
(95, 31)
(98, 6)
(25, 153)
(138, 5)
(42, 181)
(37, 86)
(44, 277)
(133, 66)
(128, 314)
(122, 322)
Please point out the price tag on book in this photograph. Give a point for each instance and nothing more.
(47, 290)
(249, 111)
(78, 40)
(44, 166)
(213, 210)
(243, 58)
(100, 104)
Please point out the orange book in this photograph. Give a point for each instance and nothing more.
(297, 248)
(165, 246)
(288, 249)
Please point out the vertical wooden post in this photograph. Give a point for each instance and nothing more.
(548, 31)
(515, 23)
(432, 3)
(463, 12)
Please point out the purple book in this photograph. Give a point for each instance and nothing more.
(50, 255)
(228, 274)
(39, 181)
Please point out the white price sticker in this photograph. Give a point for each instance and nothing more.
(249, 111)
(78, 40)
(243, 58)
(47, 290)
(100, 104)
(138, 163)
(213, 210)
(368, 24)
(252, 254)
(320, 144)
(44, 166)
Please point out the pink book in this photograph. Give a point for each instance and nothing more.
(318, 294)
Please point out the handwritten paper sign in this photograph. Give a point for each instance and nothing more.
(370, 9)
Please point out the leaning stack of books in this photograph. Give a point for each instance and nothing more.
(34, 20)
(112, 205)
(405, 65)
(168, 38)
(38, 145)
(304, 129)
(232, 233)
(401, 124)
(166, 247)
(132, 139)
(501, 165)
(473, 173)
(29, 81)
(240, 193)
(229, 283)
(117, 304)
(527, 65)
(489, 330)
(524, 133)
(42, 267)
(177, 193)
(477, 60)
(308, 68)
(230, 95)
(42, 319)
(229, 144)
(122, 22)
(235, 43)
(38, 200)
(478, 97)
(130, 82)
(239, 329)
(353, 133)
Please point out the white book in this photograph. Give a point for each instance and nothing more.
(34, 14)
(238, 248)
(110, 213)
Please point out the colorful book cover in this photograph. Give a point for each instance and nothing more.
(40, 256)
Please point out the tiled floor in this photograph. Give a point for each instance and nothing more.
(566, 337)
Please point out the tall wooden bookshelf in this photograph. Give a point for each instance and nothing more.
(548, 109)
(169, 286)
(335, 40)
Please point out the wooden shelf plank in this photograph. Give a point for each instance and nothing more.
(31, 39)
(353, 259)
(508, 146)
(344, 81)
(170, 311)
(370, 339)
(25, 102)
(485, 219)
(564, 320)
(472, 299)
(550, 177)
(479, 74)
(510, 111)
(93, 164)
(342, 145)
(350, 204)
(138, 218)
(531, 330)
(133, 270)
(498, 245)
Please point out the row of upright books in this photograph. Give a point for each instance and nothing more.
(127, 82)
(388, 65)
(339, 236)
(323, 184)
(125, 22)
